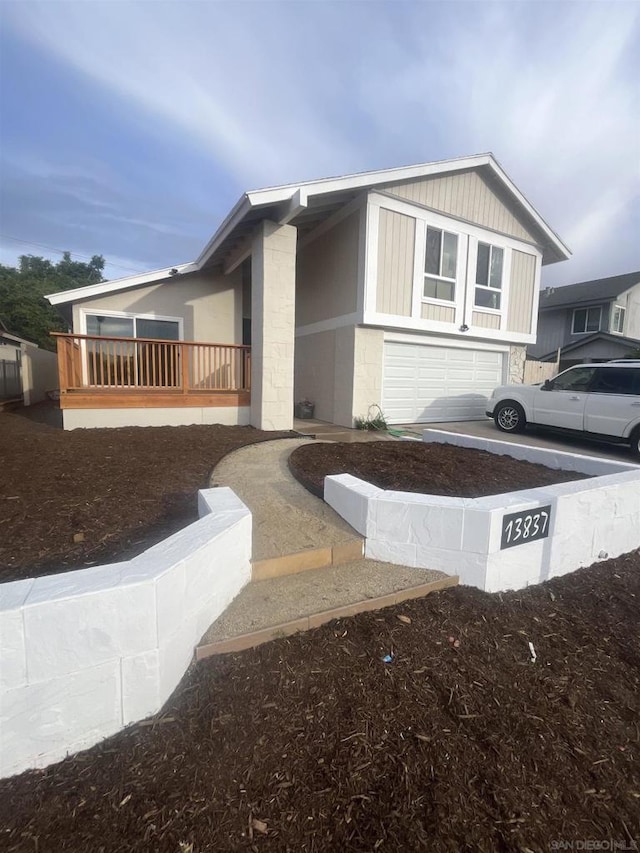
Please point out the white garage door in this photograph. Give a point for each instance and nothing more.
(427, 384)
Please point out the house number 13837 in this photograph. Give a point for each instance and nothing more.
(526, 526)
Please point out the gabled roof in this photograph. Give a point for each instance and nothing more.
(632, 343)
(308, 203)
(584, 292)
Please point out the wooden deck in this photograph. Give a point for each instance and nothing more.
(118, 373)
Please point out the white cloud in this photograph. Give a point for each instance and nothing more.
(274, 92)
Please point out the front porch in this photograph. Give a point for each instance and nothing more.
(109, 373)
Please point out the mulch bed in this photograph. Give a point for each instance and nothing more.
(412, 466)
(314, 743)
(117, 490)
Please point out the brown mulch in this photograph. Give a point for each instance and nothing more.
(415, 466)
(314, 743)
(117, 490)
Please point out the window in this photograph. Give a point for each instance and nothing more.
(440, 265)
(617, 380)
(489, 277)
(617, 319)
(574, 379)
(125, 363)
(586, 320)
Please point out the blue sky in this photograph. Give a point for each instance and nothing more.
(129, 129)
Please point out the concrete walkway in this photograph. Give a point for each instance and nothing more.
(286, 517)
(310, 557)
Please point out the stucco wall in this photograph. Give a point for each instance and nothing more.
(156, 416)
(327, 273)
(86, 653)
(315, 379)
(210, 305)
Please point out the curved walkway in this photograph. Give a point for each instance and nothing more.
(286, 517)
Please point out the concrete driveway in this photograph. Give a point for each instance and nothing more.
(532, 436)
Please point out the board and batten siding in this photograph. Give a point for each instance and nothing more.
(327, 273)
(396, 250)
(521, 292)
(484, 320)
(441, 313)
(465, 194)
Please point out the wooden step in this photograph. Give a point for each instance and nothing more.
(302, 561)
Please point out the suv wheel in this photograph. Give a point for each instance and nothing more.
(509, 417)
(635, 443)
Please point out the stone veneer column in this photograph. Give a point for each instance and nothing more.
(368, 355)
(273, 281)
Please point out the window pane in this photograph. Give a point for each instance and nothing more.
(109, 327)
(437, 289)
(482, 266)
(615, 380)
(495, 276)
(487, 298)
(593, 320)
(574, 379)
(449, 255)
(432, 260)
(168, 330)
(579, 320)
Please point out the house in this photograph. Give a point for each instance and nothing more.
(413, 288)
(590, 321)
(26, 371)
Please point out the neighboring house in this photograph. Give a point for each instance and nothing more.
(26, 371)
(413, 288)
(595, 320)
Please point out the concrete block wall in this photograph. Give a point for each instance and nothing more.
(591, 520)
(88, 652)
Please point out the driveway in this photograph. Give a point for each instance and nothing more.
(532, 436)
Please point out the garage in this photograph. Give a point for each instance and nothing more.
(431, 384)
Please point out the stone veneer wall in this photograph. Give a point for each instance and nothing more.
(88, 652)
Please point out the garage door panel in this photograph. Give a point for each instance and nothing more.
(430, 384)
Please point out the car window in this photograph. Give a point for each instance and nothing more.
(575, 379)
(616, 380)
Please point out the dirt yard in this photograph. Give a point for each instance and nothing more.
(72, 499)
(435, 469)
(314, 743)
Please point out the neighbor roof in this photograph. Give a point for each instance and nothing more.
(632, 343)
(588, 291)
(308, 203)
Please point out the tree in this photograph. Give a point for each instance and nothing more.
(24, 310)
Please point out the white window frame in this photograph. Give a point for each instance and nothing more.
(127, 315)
(500, 290)
(586, 321)
(622, 314)
(433, 300)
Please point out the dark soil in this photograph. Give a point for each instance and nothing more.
(415, 466)
(118, 490)
(313, 743)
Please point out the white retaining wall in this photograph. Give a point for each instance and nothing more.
(591, 520)
(88, 652)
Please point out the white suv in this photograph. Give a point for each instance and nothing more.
(597, 400)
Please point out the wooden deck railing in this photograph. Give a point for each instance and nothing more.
(95, 363)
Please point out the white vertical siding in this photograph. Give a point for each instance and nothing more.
(396, 250)
(521, 291)
(485, 321)
(467, 195)
(441, 313)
